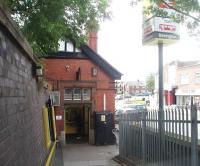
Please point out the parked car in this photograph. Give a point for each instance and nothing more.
(135, 109)
(129, 108)
(132, 108)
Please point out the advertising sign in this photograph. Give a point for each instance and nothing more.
(159, 29)
(59, 117)
(166, 25)
(160, 37)
(148, 27)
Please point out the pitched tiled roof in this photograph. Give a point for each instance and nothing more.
(102, 63)
(65, 55)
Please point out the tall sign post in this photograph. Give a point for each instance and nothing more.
(160, 31)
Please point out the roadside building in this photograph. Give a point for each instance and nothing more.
(188, 82)
(181, 81)
(84, 83)
(136, 87)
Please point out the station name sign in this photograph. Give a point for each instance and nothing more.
(157, 28)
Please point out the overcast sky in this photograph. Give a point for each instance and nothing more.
(120, 43)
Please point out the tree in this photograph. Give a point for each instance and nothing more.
(186, 12)
(150, 82)
(44, 22)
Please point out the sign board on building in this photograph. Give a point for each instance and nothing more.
(103, 118)
(59, 117)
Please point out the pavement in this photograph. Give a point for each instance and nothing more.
(89, 155)
(58, 156)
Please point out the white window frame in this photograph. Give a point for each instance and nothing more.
(66, 95)
(75, 95)
(86, 96)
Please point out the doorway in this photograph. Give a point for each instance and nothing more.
(77, 123)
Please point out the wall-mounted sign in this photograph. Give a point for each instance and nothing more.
(94, 71)
(103, 118)
(59, 117)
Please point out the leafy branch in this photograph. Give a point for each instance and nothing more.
(179, 11)
(45, 22)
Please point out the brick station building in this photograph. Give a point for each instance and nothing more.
(85, 83)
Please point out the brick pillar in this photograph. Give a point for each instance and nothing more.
(92, 40)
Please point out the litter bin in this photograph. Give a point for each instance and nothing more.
(104, 124)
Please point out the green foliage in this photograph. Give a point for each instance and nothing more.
(44, 22)
(150, 81)
(187, 11)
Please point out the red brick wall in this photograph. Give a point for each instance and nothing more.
(110, 103)
(55, 69)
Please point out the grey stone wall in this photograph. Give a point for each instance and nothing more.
(21, 128)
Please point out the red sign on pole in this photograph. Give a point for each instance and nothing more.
(165, 6)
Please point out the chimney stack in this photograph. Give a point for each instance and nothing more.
(92, 40)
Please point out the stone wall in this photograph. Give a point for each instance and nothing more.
(21, 128)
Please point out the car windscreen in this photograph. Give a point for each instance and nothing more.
(140, 107)
(130, 107)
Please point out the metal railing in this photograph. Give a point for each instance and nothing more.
(161, 138)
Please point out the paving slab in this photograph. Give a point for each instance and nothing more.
(89, 155)
(58, 157)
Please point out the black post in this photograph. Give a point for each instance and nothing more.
(161, 103)
(194, 134)
(160, 61)
(144, 146)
